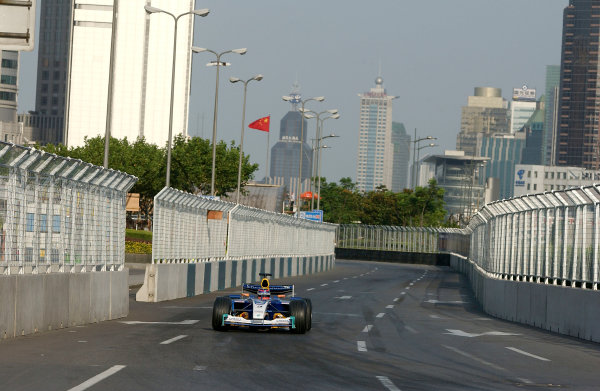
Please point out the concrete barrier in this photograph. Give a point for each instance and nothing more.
(438, 259)
(565, 310)
(176, 280)
(32, 303)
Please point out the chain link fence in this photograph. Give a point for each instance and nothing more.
(402, 239)
(551, 238)
(192, 228)
(59, 214)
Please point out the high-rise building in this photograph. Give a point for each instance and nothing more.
(534, 135)
(578, 142)
(140, 93)
(9, 76)
(486, 112)
(522, 106)
(285, 154)
(401, 141)
(551, 116)
(375, 148)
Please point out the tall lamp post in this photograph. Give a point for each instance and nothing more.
(236, 80)
(218, 64)
(320, 148)
(302, 115)
(414, 168)
(418, 151)
(152, 10)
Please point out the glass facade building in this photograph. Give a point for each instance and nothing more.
(402, 143)
(578, 131)
(551, 114)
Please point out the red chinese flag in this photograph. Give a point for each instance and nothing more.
(261, 124)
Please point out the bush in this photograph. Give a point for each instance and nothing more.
(138, 247)
(138, 234)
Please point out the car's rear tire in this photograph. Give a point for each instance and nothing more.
(298, 311)
(308, 314)
(222, 306)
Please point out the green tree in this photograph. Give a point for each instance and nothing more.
(340, 203)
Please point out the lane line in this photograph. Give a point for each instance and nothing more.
(411, 284)
(396, 299)
(310, 289)
(434, 317)
(403, 293)
(168, 341)
(344, 297)
(465, 354)
(407, 287)
(527, 354)
(367, 328)
(411, 329)
(361, 346)
(336, 281)
(526, 381)
(183, 322)
(98, 378)
(389, 306)
(380, 315)
(387, 383)
(324, 284)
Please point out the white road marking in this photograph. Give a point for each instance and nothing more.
(402, 293)
(410, 329)
(526, 381)
(460, 333)
(310, 289)
(389, 306)
(361, 346)
(98, 378)
(387, 383)
(434, 317)
(337, 314)
(344, 297)
(336, 281)
(183, 322)
(380, 315)
(168, 341)
(367, 328)
(433, 301)
(345, 278)
(527, 354)
(411, 284)
(324, 284)
(407, 287)
(354, 277)
(396, 299)
(186, 307)
(199, 368)
(465, 354)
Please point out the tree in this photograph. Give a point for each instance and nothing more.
(341, 204)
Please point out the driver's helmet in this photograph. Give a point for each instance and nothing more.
(263, 294)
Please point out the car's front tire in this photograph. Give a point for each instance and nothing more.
(298, 311)
(222, 306)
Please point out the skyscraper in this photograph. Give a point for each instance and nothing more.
(522, 107)
(375, 147)
(9, 75)
(578, 142)
(401, 141)
(486, 112)
(285, 154)
(142, 70)
(551, 116)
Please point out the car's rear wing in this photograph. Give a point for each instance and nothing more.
(275, 289)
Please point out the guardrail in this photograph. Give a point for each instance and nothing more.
(550, 238)
(59, 214)
(402, 239)
(192, 228)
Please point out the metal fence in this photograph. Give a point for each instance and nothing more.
(551, 238)
(59, 214)
(191, 228)
(402, 239)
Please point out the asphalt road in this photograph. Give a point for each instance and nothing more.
(376, 326)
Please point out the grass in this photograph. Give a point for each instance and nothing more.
(138, 234)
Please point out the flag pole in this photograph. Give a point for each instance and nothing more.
(267, 177)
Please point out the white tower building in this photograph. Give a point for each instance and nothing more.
(141, 89)
(375, 149)
(522, 107)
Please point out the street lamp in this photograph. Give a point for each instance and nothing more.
(418, 150)
(302, 115)
(320, 148)
(415, 142)
(218, 64)
(153, 10)
(236, 80)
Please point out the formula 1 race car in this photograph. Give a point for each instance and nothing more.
(263, 306)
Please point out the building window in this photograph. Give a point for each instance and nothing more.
(45, 75)
(528, 174)
(5, 95)
(29, 222)
(7, 79)
(56, 75)
(11, 64)
(546, 175)
(535, 174)
(44, 87)
(528, 186)
(535, 186)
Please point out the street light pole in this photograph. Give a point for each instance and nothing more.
(216, 108)
(319, 167)
(415, 152)
(235, 80)
(418, 154)
(151, 10)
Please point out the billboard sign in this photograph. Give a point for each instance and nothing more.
(17, 24)
(524, 93)
(315, 215)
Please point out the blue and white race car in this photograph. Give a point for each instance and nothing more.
(264, 306)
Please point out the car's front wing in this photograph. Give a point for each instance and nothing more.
(230, 320)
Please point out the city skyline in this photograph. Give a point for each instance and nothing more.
(432, 73)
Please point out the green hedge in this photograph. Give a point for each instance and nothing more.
(138, 248)
(138, 234)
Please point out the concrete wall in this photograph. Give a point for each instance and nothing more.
(565, 310)
(174, 281)
(438, 259)
(32, 303)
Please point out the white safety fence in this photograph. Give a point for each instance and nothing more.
(59, 214)
(192, 228)
(401, 239)
(551, 238)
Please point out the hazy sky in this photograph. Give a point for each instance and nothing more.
(432, 53)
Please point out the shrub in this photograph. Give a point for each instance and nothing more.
(138, 247)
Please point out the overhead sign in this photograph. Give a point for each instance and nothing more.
(524, 93)
(17, 24)
(315, 215)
